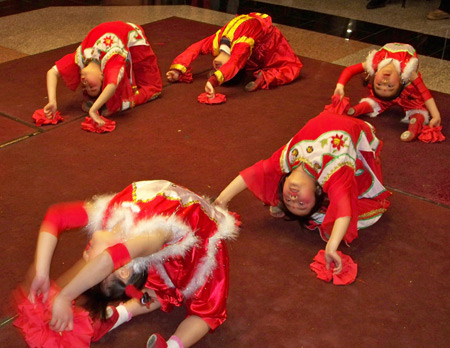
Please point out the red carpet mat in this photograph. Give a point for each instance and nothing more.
(400, 296)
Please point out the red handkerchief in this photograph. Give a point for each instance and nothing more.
(218, 99)
(347, 275)
(431, 134)
(40, 118)
(338, 105)
(186, 77)
(90, 125)
(33, 320)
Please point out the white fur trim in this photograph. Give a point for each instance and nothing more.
(227, 229)
(388, 61)
(410, 113)
(375, 106)
(410, 67)
(183, 239)
(369, 62)
(96, 212)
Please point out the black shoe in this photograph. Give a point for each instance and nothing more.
(376, 4)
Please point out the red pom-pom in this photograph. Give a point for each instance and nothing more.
(91, 126)
(431, 134)
(40, 118)
(345, 277)
(33, 320)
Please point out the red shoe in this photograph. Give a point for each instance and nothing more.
(156, 341)
(415, 126)
(102, 327)
(360, 109)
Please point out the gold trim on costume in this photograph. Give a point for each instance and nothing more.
(180, 67)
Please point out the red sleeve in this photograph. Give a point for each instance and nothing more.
(184, 60)
(349, 72)
(238, 59)
(69, 71)
(113, 72)
(343, 194)
(423, 90)
(64, 216)
(263, 177)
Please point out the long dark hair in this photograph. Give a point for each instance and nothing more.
(98, 297)
(319, 195)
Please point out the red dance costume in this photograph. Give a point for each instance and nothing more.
(253, 43)
(342, 155)
(193, 267)
(126, 60)
(405, 60)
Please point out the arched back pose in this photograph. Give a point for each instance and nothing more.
(394, 79)
(116, 67)
(155, 230)
(247, 42)
(333, 156)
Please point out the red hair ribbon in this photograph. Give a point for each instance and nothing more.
(133, 292)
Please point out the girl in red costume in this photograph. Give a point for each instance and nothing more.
(155, 230)
(394, 76)
(247, 42)
(332, 157)
(114, 64)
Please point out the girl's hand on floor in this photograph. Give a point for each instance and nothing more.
(62, 316)
(209, 89)
(333, 256)
(173, 75)
(96, 117)
(50, 110)
(39, 286)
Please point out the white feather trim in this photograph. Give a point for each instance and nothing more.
(98, 206)
(375, 106)
(410, 113)
(226, 230)
(410, 67)
(183, 239)
(369, 62)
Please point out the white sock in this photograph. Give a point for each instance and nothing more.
(174, 342)
(124, 316)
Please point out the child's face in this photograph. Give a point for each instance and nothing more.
(92, 83)
(220, 60)
(386, 82)
(299, 194)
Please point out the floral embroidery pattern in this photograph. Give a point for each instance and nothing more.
(309, 149)
(108, 41)
(337, 141)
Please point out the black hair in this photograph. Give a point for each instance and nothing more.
(98, 297)
(319, 196)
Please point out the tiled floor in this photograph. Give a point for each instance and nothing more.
(337, 31)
